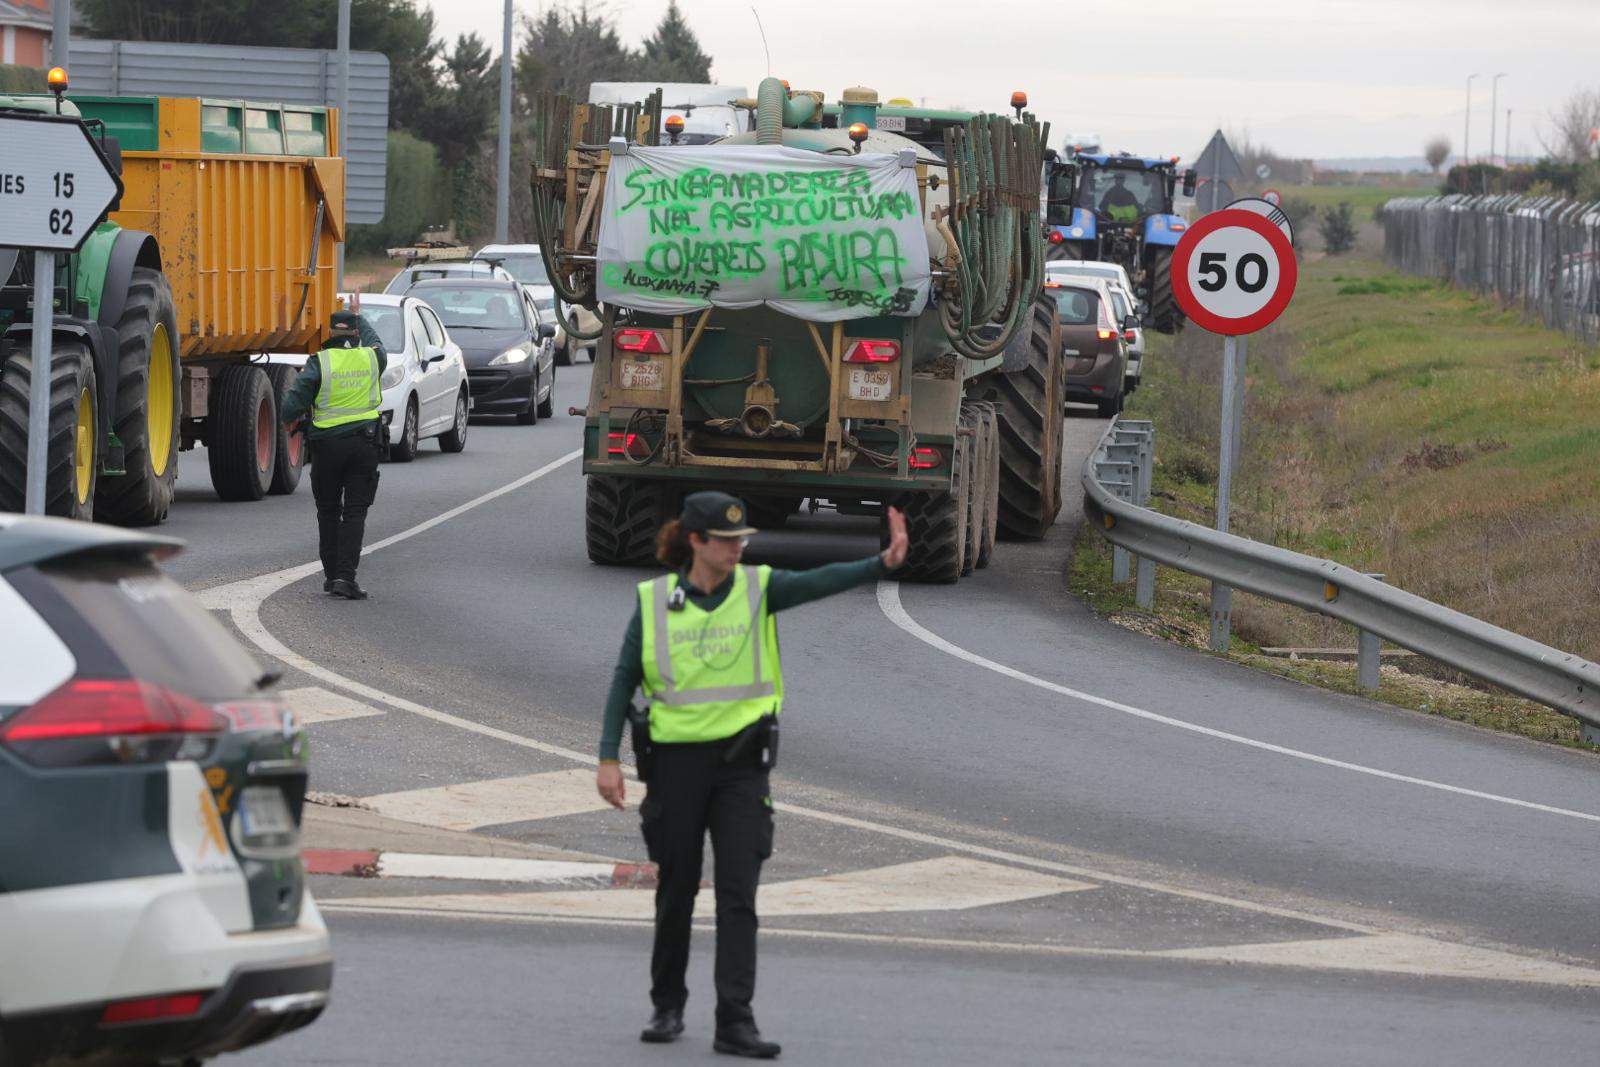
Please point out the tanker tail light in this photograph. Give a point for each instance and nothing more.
(872, 351)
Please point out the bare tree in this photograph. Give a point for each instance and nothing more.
(1572, 126)
(1436, 152)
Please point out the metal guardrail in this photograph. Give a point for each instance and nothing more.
(1567, 683)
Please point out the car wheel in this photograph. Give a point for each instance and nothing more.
(455, 438)
(530, 415)
(406, 450)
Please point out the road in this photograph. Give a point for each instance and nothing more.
(1005, 827)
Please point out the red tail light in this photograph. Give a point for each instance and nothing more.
(1105, 334)
(1128, 335)
(630, 444)
(149, 1008)
(646, 342)
(925, 458)
(124, 720)
(873, 351)
(1056, 238)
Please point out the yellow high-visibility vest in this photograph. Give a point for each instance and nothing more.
(350, 390)
(709, 674)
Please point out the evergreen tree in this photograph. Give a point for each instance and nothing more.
(564, 51)
(672, 53)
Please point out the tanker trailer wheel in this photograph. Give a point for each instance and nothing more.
(72, 463)
(149, 410)
(291, 448)
(243, 441)
(621, 517)
(1029, 409)
(1164, 312)
(936, 523)
(971, 473)
(989, 478)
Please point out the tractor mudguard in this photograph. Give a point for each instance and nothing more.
(105, 269)
(1164, 230)
(103, 342)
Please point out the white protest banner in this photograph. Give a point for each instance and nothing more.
(819, 237)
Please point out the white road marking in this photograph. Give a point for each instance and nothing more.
(316, 704)
(1378, 953)
(949, 883)
(493, 801)
(491, 868)
(889, 602)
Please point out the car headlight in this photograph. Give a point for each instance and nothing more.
(509, 356)
(392, 376)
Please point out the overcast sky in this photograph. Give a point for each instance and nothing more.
(1310, 78)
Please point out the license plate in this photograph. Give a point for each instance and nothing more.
(867, 384)
(897, 123)
(645, 375)
(263, 811)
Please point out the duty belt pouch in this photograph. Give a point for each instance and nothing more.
(644, 755)
(757, 742)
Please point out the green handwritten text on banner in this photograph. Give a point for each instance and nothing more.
(820, 237)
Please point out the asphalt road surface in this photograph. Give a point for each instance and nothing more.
(1006, 829)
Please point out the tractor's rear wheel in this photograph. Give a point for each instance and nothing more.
(148, 410)
(1028, 405)
(242, 442)
(1165, 314)
(291, 447)
(72, 452)
(621, 517)
(1054, 250)
(936, 524)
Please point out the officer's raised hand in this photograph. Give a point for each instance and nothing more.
(895, 554)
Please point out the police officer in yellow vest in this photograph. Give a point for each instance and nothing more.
(703, 644)
(340, 389)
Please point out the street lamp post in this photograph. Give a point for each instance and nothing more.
(1466, 135)
(1494, 103)
(502, 192)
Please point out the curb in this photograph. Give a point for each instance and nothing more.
(354, 863)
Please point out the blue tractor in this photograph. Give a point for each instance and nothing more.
(1118, 208)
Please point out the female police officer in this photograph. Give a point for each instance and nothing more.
(704, 645)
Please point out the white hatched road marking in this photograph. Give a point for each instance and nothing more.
(493, 801)
(949, 883)
(491, 868)
(313, 703)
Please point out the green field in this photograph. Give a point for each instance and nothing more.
(1400, 427)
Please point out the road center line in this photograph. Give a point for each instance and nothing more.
(889, 602)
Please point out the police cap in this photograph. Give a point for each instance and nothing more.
(714, 514)
(345, 324)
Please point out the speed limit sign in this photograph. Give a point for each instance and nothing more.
(1233, 272)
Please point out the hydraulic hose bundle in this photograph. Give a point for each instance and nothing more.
(562, 127)
(995, 169)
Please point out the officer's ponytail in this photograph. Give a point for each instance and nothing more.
(672, 544)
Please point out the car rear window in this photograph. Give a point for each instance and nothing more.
(122, 613)
(483, 308)
(1077, 306)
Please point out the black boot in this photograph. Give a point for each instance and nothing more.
(347, 588)
(665, 1025)
(743, 1039)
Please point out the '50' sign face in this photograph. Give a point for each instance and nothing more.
(1233, 272)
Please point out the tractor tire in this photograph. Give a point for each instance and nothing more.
(1064, 250)
(989, 465)
(1165, 314)
(621, 517)
(72, 464)
(1030, 416)
(242, 442)
(936, 524)
(149, 408)
(291, 448)
(976, 490)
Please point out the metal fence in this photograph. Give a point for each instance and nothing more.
(1541, 254)
(1114, 478)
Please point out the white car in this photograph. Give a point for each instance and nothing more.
(417, 272)
(526, 265)
(1124, 303)
(425, 390)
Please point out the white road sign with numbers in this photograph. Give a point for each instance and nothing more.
(1234, 271)
(55, 184)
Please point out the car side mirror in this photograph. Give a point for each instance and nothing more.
(1131, 322)
(434, 354)
(546, 330)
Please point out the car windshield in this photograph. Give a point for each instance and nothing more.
(390, 326)
(475, 308)
(527, 269)
(1120, 193)
(1075, 305)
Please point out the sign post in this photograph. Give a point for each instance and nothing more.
(55, 187)
(1233, 273)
